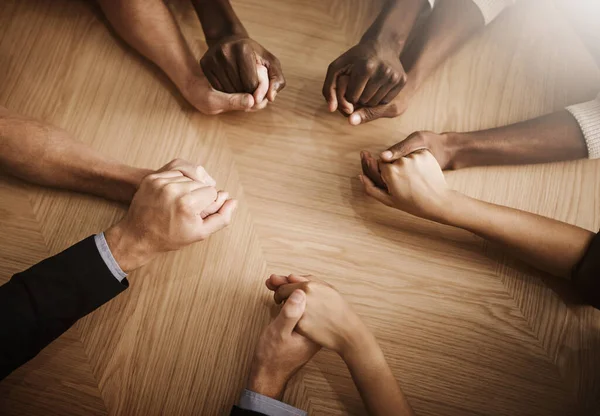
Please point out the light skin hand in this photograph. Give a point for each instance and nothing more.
(281, 351)
(170, 210)
(437, 144)
(414, 184)
(330, 322)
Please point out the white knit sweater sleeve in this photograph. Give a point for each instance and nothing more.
(490, 9)
(588, 116)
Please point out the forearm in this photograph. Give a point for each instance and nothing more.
(544, 139)
(41, 303)
(46, 155)
(149, 27)
(218, 19)
(547, 244)
(373, 377)
(394, 23)
(450, 24)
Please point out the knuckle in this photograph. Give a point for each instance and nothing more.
(184, 203)
(177, 162)
(227, 221)
(244, 48)
(200, 171)
(169, 190)
(212, 193)
(370, 66)
(150, 178)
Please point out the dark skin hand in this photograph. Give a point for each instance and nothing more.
(450, 24)
(375, 73)
(232, 57)
(230, 66)
(551, 138)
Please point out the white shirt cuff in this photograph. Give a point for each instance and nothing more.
(266, 405)
(588, 116)
(490, 9)
(108, 258)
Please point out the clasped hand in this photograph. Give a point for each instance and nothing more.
(173, 207)
(234, 64)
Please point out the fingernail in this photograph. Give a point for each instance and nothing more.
(360, 177)
(355, 119)
(246, 101)
(296, 297)
(387, 155)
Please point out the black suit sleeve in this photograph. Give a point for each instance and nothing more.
(237, 411)
(586, 275)
(39, 304)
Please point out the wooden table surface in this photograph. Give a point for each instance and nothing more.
(466, 330)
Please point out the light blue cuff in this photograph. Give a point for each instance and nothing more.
(108, 258)
(266, 405)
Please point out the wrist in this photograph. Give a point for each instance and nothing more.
(391, 42)
(129, 251)
(267, 384)
(218, 34)
(359, 340)
(454, 209)
(457, 146)
(129, 182)
(362, 346)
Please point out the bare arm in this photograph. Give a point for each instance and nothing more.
(150, 28)
(547, 244)
(395, 22)
(373, 377)
(46, 155)
(218, 20)
(550, 138)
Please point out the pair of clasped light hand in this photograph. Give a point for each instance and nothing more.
(176, 206)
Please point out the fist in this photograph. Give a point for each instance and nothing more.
(231, 66)
(176, 206)
(375, 76)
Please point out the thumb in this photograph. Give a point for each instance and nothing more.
(366, 114)
(407, 146)
(276, 81)
(223, 102)
(292, 311)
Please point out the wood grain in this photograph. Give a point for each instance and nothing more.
(467, 330)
